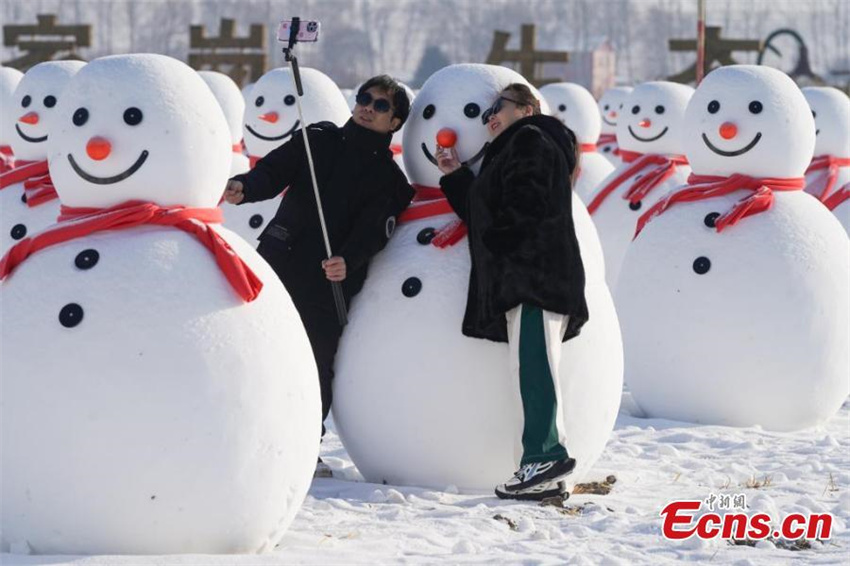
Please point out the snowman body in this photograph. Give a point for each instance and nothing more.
(651, 124)
(148, 409)
(416, 401)
(750, 325)
(611, 106)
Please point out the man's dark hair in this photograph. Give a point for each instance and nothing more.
(396, 92)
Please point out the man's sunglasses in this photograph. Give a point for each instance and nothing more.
(381, 105)
(497, 107)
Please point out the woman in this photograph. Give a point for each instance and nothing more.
(526, 286)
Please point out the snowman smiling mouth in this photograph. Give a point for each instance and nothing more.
(608, 122)
(274, 138)
(468, 163)
(28, 138)
(637, 137)
(108, 180)
(732, 153)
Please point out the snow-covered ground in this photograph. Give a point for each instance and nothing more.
(345, 520)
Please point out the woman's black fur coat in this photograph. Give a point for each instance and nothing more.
(521, 233)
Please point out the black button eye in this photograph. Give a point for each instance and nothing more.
(259, 102)
(425, 236)
(289, 100)
(18, 231)
(255, 221)
(635, 205)
(659, 109)
(814, 114)
(471, 110)
(87, 259)
(605, 107)
(710, 219)
(713, 107)
(621, 106)
(24, 198)
(71, 315)
(756, 107)
(635, 109)
(701, 265)
(81, 116)
(26, 101)
(562, 107)
(132, 116)
(428, 113)
(411, 287)
(50, 101)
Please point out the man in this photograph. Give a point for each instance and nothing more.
(362, 190)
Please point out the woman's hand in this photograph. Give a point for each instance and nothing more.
(233, 192)
(447, 160)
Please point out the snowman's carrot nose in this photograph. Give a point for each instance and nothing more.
(29, 118)
(612, 114)
(645, 123)
(270, 117)
(98, 148)
(446, 137)
(728, 130)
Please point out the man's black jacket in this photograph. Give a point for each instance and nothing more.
(522, 239)
(362, 191)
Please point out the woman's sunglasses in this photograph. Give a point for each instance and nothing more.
(381, 105)
(497, 107)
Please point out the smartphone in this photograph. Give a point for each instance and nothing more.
(308, 30)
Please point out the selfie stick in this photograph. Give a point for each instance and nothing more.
(336, 286)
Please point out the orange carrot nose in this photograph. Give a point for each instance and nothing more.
(645, 123)
(270, 117)
(98, 148)
(446, 137)
(728, 130)
(29, 118)
(612, 113)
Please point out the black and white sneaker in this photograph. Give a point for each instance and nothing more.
(539, 492)
(535, 473)
(322, 470)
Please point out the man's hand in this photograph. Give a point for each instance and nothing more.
(447, 160)
(334, 268)
(233, 192)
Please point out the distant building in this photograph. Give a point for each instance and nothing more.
(594, 69)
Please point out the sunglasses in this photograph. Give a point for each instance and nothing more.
(380, 105)
(497, 107)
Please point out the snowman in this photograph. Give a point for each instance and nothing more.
(27, 198)
(650, 130)
(839, 203)
(233, 105)
(830, 168)
(574, 106)
(418, 403)
(9, 79)
(610, 108)
(397, 144)
(733, 297)
(159, 391)
(271, 118)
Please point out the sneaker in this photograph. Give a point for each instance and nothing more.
(532, 474)
(539, 492)
(322, 470)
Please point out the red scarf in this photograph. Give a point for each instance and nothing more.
(588, 147)
(701, 187)
(396, 149)
(23, 170)
(832, 164)
(662, 167)
(237, 148)
(7, 159)
(428, 202)
(838, 197)
(252, 160)
(39, 190)
(79, 222)
(606, 139)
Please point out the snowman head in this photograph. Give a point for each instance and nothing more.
(139, 127)
(573, 105)
(652, 119)
(751, 120)
(9, 79)
(398, 137)
(271, 116)
(831, 110)
(229, 98)
(33, 107)
(610, 107)
(453, 99)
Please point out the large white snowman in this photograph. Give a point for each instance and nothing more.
(610, 107)
(830, 168)
(415, 401)
(575, 107)
(230, 99)
(9, 79)
(271, 117)
(650, 131)
(149, 404)
(28, 200)
(839, 203)
(733, 298)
